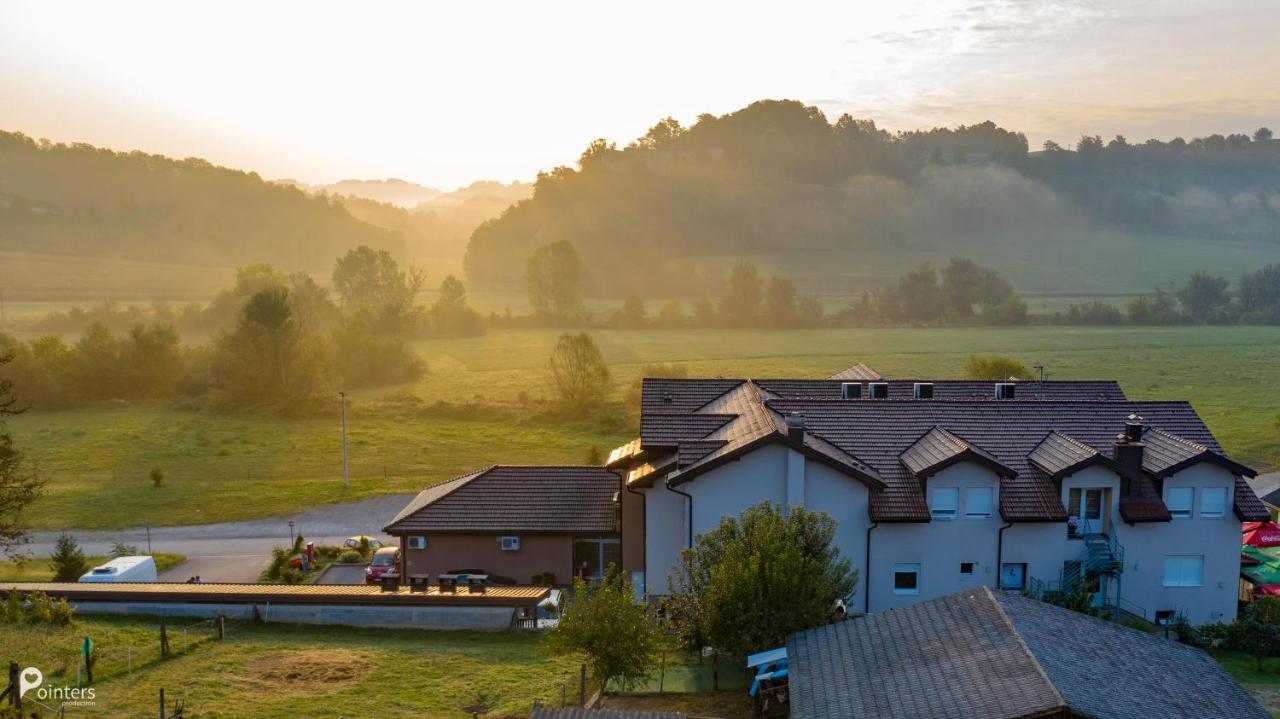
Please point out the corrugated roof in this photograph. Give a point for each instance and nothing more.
(999, 655)
(346, 594)
(516, 499)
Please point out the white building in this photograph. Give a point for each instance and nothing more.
(939, 487)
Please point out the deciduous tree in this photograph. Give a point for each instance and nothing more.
(614, 634)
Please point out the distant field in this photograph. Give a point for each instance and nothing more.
(222, 467)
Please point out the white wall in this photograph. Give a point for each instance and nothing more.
(665, 534)
(1044, 546)
(939, 547)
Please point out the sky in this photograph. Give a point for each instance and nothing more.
(444, 93)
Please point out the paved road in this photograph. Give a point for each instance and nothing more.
(237, 551)
(343, 574)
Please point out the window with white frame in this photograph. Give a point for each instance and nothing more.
(1213, 502)
(1179, 500)
(906, 579)
(1183, 570)
(977, 502)
(945, 503)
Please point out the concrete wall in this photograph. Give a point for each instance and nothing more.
(939, 547)
(538, 553)
(489, 619)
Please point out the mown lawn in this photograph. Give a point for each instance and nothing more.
(284, 670)
(228, 466)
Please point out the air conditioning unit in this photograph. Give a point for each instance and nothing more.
(417, 542)
(851, 390)
(509, 544)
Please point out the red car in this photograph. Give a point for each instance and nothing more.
(385, 560)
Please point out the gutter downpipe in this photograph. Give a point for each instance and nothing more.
(1000, 554)
(644, 526)
(689, 497)
(866, 581)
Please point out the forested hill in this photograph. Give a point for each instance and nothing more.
(778, 180)
(90, 202)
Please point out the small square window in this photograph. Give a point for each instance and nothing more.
(1213, 502)
(1179, 500)
(418, 542)
(945, 503)
(966, 568)
(906, 579)
(1183, 571)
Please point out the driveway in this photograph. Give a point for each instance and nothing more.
(342, 574)
(237, 551)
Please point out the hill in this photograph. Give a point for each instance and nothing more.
(92, 203)
(845, 205)
(391, 190)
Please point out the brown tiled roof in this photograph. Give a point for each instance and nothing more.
(949, 389)
(667, 429)
(516, 499)
(938, 449)
(681, 395)
(999, 655)
(878, 432)
(1059, 455)
(856, 371)
(1167, 454)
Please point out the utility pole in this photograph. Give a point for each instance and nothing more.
(346, 467)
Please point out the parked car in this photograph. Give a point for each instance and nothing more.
(354, 542)
(385, 561)
(123, 569)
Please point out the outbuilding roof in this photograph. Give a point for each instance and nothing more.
(1000, 655)
(504, 498)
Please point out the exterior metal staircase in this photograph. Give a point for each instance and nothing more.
(1102, 555)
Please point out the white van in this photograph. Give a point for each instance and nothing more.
(123, 569)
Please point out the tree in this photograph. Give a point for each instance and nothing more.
(554, 280)
(450, 315)
(151, 360)
(995, 368)
(579, 375)
(269, 357)
(615, 634)
(1158, 308)
(740, 306)
(781, 302)
(753, 580)
(1204, 297)
(20, 484)
(917, 295)
(671, 314)
(1260, 294)
(631, 314)
(1259, 630)
(965, 283)
(95, 364)
(366, 278)
(1262, 134)
(67, 559)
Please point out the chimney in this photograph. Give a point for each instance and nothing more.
(795, 427)
(1129, 448)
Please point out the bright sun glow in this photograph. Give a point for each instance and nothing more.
(447, 93)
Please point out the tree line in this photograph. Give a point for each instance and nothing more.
(1203, 299)
(277, 340)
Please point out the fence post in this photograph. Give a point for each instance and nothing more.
(164, 639)
(162, 703)
(222, 626)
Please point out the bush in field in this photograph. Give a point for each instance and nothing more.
(350, 556)
(157, 476)
(68, 561)
(579, 376)
(120, 549)
(604, 623)
(39, 609)
(753, 580)
(995, 367)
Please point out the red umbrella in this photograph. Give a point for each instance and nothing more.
(1267, 590)
(1262, 534)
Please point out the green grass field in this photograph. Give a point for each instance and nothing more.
(233, 466)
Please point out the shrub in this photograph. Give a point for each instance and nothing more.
(157, 476)
(120, 549)
(350, 556)
(68, 560)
